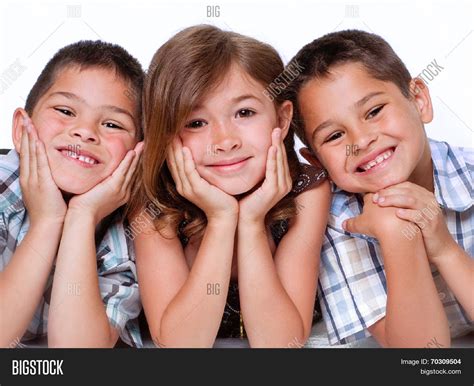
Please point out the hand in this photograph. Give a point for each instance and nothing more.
(111, 193)
(213, 201)
(374, 221)
(277, 183)
(419, 206)
(43, 199)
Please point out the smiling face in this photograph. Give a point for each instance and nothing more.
(229, 132)
(365, 132)
(87, 125)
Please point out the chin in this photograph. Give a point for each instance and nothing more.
(73, 187)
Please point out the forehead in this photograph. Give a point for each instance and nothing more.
(97, 86)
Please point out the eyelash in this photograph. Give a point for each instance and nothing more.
(69, 113)
(242, 113)
(249, 113)
(374, 111)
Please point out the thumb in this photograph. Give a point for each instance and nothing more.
(351, 225)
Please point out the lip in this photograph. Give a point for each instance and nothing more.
(232, 164)
(373, 156)
(86, 153)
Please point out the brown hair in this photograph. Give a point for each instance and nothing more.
(86, 54)
(181, 72)
(351, 46)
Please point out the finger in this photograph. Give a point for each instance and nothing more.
(24, 154)
(118, 175)
(44, 171)
(133, 167)
(192, 175)
(414, 216)
(350, 225)
(171, 162)
(179, 157)
(400, 201)
(280, 172)
(286, 167)
(33, 166)
(271, 177)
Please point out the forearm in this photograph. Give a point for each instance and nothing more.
(193, 317)
(77, 316)
(415, 314)
(270, 317)
(457, 269)
(23, 282)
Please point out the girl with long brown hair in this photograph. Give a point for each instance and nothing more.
(233, 249)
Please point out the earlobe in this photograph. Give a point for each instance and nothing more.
(17, 127)
(421, 95)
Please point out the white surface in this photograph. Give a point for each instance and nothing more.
(418, 30)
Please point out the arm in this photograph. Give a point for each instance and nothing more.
(23, 281)
(78, 318)
(179, 311)
(414, 314)
(419, 206)
(280, 312)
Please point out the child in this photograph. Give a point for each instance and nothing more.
(361, 116)
(70, 169)
(234, 201)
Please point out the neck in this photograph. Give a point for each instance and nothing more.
(423, 173)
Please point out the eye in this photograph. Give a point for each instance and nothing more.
(197, 124)
(372, 113)
(64, 111)
(245, 113)
(333, 136)
(111, 125)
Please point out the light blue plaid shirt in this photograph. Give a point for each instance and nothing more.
(352, 284)
(115, 261)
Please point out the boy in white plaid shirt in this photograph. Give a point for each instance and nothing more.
(397, 260)
(66, 268)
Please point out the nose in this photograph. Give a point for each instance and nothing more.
(364, 136)
(85, 132)
(225, 138)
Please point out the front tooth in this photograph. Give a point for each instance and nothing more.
(379, 159)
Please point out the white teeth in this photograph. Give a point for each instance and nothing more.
(376, 161)
(81, 158)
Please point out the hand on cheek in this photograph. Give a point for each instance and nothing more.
(111, 193)
(276, 185)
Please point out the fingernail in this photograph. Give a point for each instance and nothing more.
(376, 197)
(381, 199)
(344, 224)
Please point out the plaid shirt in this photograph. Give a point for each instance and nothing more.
(115, 261)
(352, 283)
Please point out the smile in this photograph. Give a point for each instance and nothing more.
(231, 165)
(81, 159)
(376, 161)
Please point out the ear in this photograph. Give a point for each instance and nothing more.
(421, 96)
(17, 127)
(285, 113)
(309, 156)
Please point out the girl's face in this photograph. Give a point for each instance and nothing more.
(229, 132)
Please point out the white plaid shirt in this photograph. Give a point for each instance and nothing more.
(115, 261)
(352, 284)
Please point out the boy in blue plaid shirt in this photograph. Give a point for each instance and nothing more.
(66, 268)
(397, 260)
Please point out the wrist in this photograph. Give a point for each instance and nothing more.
(451, 251)
(81, 215)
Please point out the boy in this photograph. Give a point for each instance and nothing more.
(397, 259)
(76, 148)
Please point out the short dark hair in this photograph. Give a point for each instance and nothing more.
(86, 54)
(350, 46)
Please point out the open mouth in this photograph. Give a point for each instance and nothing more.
(79, 157)
(379, 160)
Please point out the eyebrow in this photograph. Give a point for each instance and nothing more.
(243, 97)
(77, 98)
(358, 104)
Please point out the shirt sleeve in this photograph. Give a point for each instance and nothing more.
(118, 283)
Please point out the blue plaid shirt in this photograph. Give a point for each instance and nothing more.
(115, 261)
(352, 283)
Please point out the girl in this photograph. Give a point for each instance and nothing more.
(235, 205)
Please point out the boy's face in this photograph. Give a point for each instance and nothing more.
(230, 132)
(87, 125)
(364, 131)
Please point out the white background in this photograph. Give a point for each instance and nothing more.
(419, 31)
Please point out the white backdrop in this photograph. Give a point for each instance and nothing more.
(419, 31)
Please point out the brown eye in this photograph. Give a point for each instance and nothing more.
(245, 113)
(334, 136)
(195, 124)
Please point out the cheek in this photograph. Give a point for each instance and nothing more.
(117, 150)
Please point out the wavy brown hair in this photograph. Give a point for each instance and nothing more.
(181, 73)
